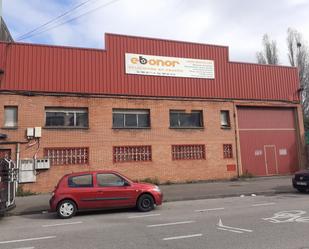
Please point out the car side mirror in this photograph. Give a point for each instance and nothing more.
(126, 184)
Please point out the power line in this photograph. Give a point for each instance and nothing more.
(52, 20)
(57, 19)
(73, 19)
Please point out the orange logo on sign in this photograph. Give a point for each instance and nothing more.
(154, 62)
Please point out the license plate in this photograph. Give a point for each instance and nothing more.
(301, 183)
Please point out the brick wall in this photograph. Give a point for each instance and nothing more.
(100, 138)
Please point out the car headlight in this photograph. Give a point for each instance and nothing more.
(157, 189)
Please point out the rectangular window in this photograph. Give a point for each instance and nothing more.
(66, 117)
(132, 153)
(181, 119)
(225, 119)
(10, 116)
(110, 180)
(82, 181)
(67, 156)
(188, 152)
(130, 118)
(227, 151)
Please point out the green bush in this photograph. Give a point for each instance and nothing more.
(192, 181)
(151, 180)
(246, 174)
(21, 192)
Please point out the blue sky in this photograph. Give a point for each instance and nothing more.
(239, 24)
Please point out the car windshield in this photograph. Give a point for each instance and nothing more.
(127, 178)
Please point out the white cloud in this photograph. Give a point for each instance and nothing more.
(239, 24)
(296, 2)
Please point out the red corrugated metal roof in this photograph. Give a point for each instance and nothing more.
(30, 67)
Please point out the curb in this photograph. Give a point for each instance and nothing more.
(215, 196)
(8, 214)
(265, 193)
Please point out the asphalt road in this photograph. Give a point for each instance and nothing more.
(280, 221)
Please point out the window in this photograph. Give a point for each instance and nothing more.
(126, 118)
(227, 151)
(225, 119)
(188, 152)
(82, 181)
(67, 156)
(181, 119)
(132, 153)
(66, 117)
(110, 180)
(10, 116)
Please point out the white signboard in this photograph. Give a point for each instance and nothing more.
(169, 66)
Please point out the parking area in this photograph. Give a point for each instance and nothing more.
(280, 221)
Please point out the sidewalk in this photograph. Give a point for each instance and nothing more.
(177, 192)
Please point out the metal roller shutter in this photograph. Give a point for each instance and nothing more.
(268, 141)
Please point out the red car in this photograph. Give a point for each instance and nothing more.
(101, 190)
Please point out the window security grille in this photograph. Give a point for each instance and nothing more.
(227, 151)
(188, 152)
(132, 153)
(67, 156)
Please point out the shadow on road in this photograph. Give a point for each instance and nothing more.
(53, 216)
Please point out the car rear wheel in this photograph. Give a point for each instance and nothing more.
(66, 209)
(145, 203)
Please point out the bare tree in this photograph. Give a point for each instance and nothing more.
(299, 57)
(269, 54)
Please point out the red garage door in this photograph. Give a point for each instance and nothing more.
(268, 140)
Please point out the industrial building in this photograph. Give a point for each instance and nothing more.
(148, 108)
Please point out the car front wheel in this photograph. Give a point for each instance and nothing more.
(145, 203)
(66, 209)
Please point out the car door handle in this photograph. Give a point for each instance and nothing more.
(100, 191)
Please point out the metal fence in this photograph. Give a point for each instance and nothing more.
(8, 183)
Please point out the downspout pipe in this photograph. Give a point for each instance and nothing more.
(17, 166)
(236, 138)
